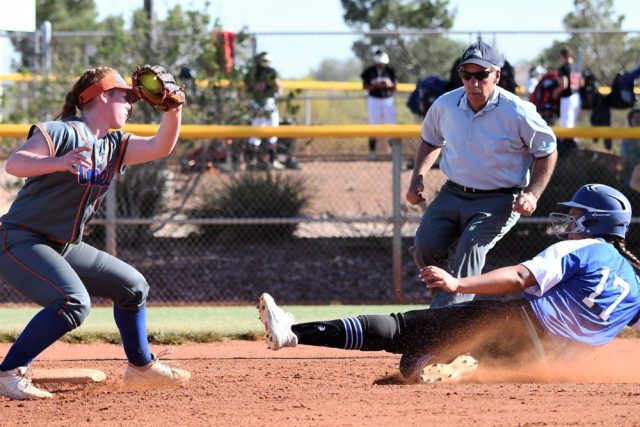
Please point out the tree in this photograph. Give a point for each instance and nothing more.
(64, 15)
(187, 41)
(395, 15)
(415, 55)
(337, 70)
(604, 54)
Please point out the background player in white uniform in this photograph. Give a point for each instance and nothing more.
(264, 86)
(380, 81)
(569, 90)
(579, 292)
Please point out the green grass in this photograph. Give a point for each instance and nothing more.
(175, 325)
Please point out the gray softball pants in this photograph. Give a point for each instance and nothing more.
(66, 275)
(458, 230)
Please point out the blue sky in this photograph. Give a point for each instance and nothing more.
(295, 56)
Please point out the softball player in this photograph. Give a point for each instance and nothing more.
(264, 85)
(379, 80)
(579, 292)
(569, 90)
(69, 164)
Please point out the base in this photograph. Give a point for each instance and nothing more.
(71, 375)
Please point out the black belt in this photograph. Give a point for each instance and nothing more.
(512, 190)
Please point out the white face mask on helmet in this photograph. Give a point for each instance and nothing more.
(564, 224)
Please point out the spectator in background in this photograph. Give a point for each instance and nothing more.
(380, 81)
(630, 150)
(287, 149)
(264, 86)
(569, 89)
(535, 75)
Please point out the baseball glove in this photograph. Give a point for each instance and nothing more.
(157, 88)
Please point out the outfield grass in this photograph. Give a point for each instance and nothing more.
(174, 325)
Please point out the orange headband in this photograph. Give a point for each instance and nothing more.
(111, 81)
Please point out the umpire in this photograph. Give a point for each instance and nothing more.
(498, 155)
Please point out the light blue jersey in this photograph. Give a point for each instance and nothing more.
(586, 290)
(502, 139)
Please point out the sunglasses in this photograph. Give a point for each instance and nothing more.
(480, 75)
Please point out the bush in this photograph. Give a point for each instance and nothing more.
(255, 195)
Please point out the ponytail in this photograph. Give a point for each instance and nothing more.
(87, 79)
(69, 107)
(620, 244)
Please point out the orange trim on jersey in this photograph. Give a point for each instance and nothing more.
(95, 203)
(80, 134)
(111, 81)
(17, 261)
(83, 136)
(123, 149)
(47, 137)
(80, 210)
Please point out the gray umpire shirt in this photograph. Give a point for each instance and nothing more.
(493, 148)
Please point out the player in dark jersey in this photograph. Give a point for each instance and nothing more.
(68, 165)
(264, 86)
(569, 89)
(579, 292)
(380, 81)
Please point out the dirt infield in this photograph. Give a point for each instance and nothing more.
(241, 383)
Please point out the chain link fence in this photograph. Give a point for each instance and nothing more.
(322, 233)
(204, 226)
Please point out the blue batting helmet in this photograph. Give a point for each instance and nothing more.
(606, 210)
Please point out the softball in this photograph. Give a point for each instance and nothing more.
(150, 82)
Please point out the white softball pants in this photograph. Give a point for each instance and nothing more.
(381, 110)
(569, 110)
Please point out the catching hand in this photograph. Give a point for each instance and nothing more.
(157, 88)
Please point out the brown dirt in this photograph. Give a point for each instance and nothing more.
(241, 383)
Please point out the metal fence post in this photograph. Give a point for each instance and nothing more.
(396, 171)
(307, 108)
(44, 38)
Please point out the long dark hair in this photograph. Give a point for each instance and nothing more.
(620, 244)
(87, 79)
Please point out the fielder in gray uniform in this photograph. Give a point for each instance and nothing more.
(68, 165)
(498, 155)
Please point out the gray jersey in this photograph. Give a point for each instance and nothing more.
(58, 205)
